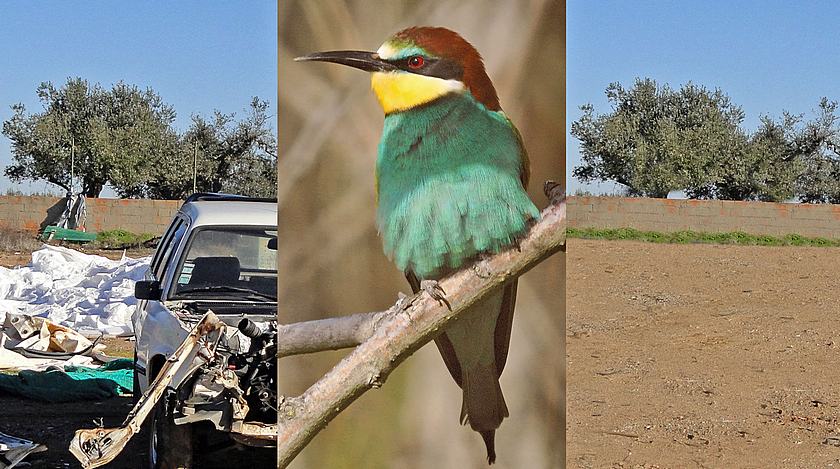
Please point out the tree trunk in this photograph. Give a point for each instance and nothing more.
(92, 187)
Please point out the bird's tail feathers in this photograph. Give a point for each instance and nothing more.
(483, 405)
(489, 441)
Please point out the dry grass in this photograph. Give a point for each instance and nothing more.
(14, 240)
(699, 237)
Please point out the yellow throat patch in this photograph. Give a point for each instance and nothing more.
(400, 91)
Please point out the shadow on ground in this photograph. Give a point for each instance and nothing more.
(53, 424)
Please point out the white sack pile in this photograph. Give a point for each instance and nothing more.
(91, 294)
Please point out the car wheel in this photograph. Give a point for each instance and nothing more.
(170, 445)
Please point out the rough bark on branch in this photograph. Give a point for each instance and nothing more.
(326, 334)
(406, 327)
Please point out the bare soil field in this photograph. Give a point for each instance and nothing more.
(702, 356)
(53, 424)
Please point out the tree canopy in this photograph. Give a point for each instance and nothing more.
(657, 140)
(230, 155)
(124, 137)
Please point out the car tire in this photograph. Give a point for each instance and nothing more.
(170, 445)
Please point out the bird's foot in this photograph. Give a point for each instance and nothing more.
(554, 191)
(434, 290)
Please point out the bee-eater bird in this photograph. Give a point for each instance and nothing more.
(450, 182)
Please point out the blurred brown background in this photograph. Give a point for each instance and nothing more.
(331, 259)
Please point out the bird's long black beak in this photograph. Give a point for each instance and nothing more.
(367, 61)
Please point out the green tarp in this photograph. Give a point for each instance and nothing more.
(66, 234)
(73, 383)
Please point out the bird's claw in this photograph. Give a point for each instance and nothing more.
(434, 290)
(554, 191)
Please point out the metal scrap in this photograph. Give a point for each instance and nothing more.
(99, 446)
(13, 450)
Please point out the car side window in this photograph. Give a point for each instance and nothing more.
(163, 261)
(163, 244)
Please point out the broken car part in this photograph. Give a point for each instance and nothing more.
(99, 446)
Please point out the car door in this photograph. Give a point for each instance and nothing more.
(157, 331)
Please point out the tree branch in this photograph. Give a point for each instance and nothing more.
(326, 334)
(398, 332)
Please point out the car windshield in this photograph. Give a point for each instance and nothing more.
(238, 263)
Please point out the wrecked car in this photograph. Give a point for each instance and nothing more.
(205, 330)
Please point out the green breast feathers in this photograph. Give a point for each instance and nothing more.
(448, 183)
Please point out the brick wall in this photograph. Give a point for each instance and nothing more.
(823, 220)
(760, 218)
(134, 215)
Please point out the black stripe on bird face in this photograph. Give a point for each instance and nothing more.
(445, 69)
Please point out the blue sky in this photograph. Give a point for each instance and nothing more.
(769, 56)
(198, 55)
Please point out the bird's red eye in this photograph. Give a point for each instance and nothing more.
(416, 62)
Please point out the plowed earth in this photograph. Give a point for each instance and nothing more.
(702, 356)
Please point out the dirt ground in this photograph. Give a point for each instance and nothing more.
(702, 356)
(53, 424)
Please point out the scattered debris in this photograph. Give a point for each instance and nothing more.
(13, 450)
(35, 343)
(833, 440)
